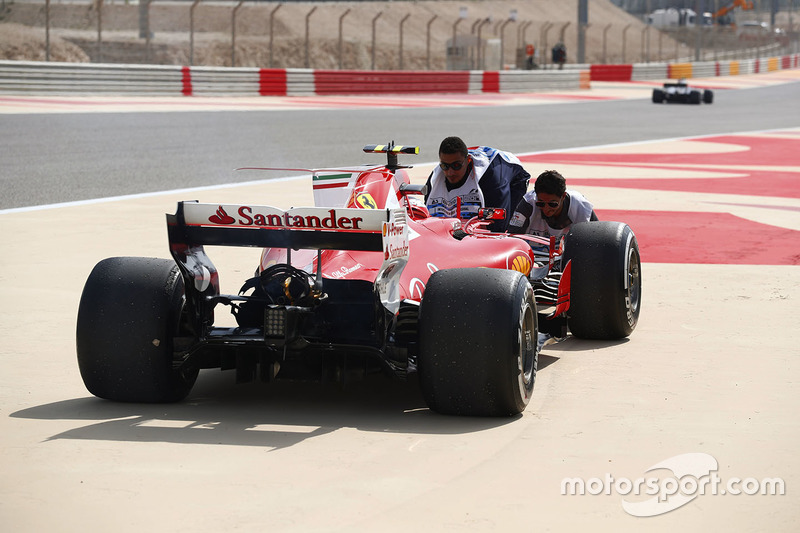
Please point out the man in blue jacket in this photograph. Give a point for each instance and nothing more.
(467, 179)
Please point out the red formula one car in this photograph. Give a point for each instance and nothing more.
(364, 282)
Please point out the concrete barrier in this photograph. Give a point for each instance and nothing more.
(649, 71)
(704, 69)
(699, 69)
(526, 81)
(43, 78)
(20, 77)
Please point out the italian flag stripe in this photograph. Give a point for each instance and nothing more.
(331, 181)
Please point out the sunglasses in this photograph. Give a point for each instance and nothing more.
(457, 165)
(551, 204)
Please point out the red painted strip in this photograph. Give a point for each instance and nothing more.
(186, 79)
(611, 72)
(329, 185)
(751, 171)
(272, 82)
(708, 238)
(553, 96)
(491, 82)
(768, 184)
(389, 82)
(757, 151)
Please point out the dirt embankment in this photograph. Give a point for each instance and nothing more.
(425, 26)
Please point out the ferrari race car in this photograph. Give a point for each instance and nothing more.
(363, 282)
(681, 93)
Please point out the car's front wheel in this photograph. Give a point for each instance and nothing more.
(478, 342)
(606, 281)
(129, 312)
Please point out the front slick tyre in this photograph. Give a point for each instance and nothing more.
(129, 312)
(478, 342)
(606, 284)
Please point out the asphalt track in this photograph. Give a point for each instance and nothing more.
(710, 374)
(63, 149)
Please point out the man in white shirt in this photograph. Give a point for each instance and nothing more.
(550, 208)
(467, 179)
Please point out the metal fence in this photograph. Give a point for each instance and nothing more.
(477, 43)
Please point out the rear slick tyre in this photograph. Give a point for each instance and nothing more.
(130, 310)
(606, 282)
(478, 342)
(658, 96)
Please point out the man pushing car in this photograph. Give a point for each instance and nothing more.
(550, 208)
(468, 179)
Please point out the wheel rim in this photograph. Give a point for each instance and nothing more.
(634, 290)
(526, 359)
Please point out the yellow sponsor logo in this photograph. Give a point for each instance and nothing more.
(521, 263)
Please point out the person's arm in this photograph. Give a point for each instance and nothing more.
(521, 219)
(428, 187)
(496, 186)
(519, 185)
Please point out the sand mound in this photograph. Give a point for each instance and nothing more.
(23, 43)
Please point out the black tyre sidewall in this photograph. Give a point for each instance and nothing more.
(600, 253)
(128, 314)
(658, 96)
(470, 322)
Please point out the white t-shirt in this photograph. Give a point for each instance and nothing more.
(580, 210)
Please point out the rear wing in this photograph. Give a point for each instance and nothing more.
(319, 228)
(322, 228)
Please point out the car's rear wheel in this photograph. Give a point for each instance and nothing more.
(658, 96)
(478, 342)
(129, 312)
(694, 97)
(708, 96)
(606, 282)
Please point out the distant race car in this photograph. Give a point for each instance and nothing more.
(681, 93)
(364, 282)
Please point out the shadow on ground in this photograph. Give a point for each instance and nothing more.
(275, 415)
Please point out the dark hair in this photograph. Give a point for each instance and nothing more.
(551, 182)
(453, 145)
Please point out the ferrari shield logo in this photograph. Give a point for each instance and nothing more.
(366, 201)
